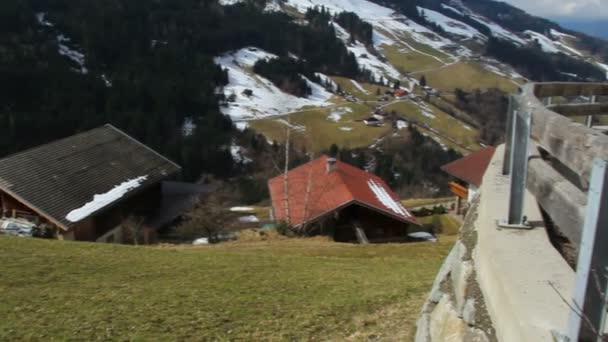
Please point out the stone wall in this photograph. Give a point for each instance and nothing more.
(455, 309)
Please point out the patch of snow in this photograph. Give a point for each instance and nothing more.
(603, 66)
(293, 126)
(106, 80)
(569, 74)
(237, 154)
(497, 30)
(345, 129)
(423, 236)
(551, 46)
(102, 200)
(201, 241)
(228, 2)
(272, 6)
(336, 114)
(359, 87)
(241, 125)
(452, 9)
(371, 62)
(267, 99)
(467, 127)
(326, 79)
(71, 54)
(242, 209)
(451, 25)
(401, 124)
(428, 114)
(386, 199)
(188, 127)
(249, 219)
(41, 18)
(560, 34)
(382, 18)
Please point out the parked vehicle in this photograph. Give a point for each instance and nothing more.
(11, 226)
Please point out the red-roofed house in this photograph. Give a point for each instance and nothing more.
(329, 197)
(468, 172)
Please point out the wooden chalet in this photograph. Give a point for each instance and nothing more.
(329, 197)
(83, 187)
(468, 173)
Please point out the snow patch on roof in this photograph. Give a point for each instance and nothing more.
(102, 200)
(385, 198)
(242, 209)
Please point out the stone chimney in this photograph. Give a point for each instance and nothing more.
(331, 164)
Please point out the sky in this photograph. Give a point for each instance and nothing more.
(570, 9)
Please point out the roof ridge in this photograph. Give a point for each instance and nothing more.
(55, 141)
(141, 144)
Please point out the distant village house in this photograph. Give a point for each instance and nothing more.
(330, 197)
(468, 174)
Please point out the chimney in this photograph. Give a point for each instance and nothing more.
(331, 164)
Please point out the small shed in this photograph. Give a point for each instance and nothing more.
(329, 197)
(468, 173)
(83, 187)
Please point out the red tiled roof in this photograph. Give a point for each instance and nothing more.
(329, 191)
(472, 167)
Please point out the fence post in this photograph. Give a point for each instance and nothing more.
(506, 161)
(588, 312)
(589, 118)
(519, 170)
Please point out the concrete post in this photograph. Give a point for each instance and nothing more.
(506, 164)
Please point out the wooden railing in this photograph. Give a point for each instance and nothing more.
(564, 165)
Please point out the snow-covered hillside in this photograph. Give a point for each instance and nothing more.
(266, 99)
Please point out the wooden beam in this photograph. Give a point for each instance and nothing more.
(573, 144)
(580, 109)
(563, 201)
(569, 89)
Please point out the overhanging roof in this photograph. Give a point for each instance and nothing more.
(62, 176)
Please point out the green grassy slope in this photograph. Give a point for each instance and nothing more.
(279, 290)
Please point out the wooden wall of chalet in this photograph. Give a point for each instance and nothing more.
(377, 226)
(141, 204)
(10, 207)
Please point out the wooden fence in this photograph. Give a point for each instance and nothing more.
(565, 168)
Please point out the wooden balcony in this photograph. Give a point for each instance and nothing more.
(459, 190)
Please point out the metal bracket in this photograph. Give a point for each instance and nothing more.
(505, 224)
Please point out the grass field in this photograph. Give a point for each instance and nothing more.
(411, 61)
(295, 289)
(443, 122)
(370, 93)
(467, 76)
(448, 224)
(320, 132)
(419, 202)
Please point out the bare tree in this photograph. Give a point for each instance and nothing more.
(208, 219)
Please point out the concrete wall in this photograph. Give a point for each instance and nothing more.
(498, 284)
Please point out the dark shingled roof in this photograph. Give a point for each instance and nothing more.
(64, 175)
(472, 167)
